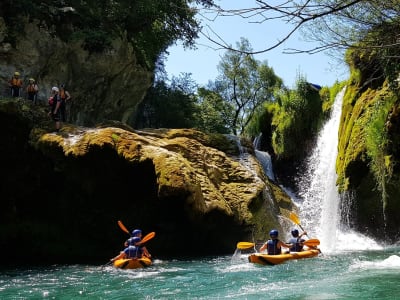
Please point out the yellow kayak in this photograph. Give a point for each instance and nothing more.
(130, 263)
(266, 259)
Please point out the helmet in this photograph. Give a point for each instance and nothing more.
(295, 232)
(134, 240)
(273, 233)
(16, 74)
(32, 79)
(54, 88)
(62, 85)
(136, 232)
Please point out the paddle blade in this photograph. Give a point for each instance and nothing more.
(148, 237)
(244, 245)
(123, 227)
(312, 242)
(294, 218)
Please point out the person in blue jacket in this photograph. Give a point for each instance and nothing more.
(133, 251)
(274, 245)
(297, 241)
(137, 233)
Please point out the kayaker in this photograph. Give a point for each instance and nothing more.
(132, 251)
(296, 241)
(137, 233)
(274, 245)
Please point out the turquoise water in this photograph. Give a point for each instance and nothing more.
(345, 275)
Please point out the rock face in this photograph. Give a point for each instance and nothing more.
(104, 86)
(63, 193)
(373, 184)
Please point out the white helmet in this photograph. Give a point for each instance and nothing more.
(54, 88)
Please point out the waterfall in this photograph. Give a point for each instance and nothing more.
(264, 158)
(319, 200)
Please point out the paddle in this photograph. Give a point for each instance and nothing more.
(144, 240)
(244, 245)
(123, 227)
(147, 237)
(311, 243)
(295, 219)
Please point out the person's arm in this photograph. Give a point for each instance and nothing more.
(145, 252)
(282, 244)
(263, 247)
(119, 256)
(68, 96)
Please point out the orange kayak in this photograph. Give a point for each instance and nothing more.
(129, 263)
(266, 259)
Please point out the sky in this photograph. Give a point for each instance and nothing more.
(202, 63)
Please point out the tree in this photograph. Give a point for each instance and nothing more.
(245, 83)
(333, 23)
(169, 106)
(150, 26)
(215, 115)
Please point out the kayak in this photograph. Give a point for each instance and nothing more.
(132, 263)
(266, 259)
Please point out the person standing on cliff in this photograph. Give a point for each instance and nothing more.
(15, 84)
(66, 98)
(32, 90)
(55, 106)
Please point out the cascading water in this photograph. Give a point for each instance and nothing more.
(264, 158)
(319, 198)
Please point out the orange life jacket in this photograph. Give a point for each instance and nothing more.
(31, 88)
(16, 82)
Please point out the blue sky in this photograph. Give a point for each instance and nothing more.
(202, 63)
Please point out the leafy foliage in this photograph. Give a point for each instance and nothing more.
(173, 106)
(245, 83)
(151, 26)
(297, 120)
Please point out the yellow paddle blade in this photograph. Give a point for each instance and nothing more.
(244, 245)
(312, 242)
(294, 218)
(123, 227)
(148, 237)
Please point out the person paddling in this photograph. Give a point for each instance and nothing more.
(274, 245)
(137, 233)
(296, 241)
(133, 251)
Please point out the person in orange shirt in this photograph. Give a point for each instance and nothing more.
(15, 84)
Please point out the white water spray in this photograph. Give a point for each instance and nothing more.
(319, 207)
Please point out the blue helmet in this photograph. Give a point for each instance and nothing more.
(134, 240)
(273, 233)
(136, 232)
(295, 233)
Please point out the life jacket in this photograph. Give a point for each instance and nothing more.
(16, 82)
(62, 94)
(296, 247)
(31, 88)
(273, 247)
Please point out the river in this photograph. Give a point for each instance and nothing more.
(341, 275)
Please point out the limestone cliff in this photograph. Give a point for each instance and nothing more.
(63, 193)
(369, 158)
(104, 85)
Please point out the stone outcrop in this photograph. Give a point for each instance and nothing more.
(63, 192)
(104, 86)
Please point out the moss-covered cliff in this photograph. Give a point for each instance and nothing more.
(369, 159)
(62, 194)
